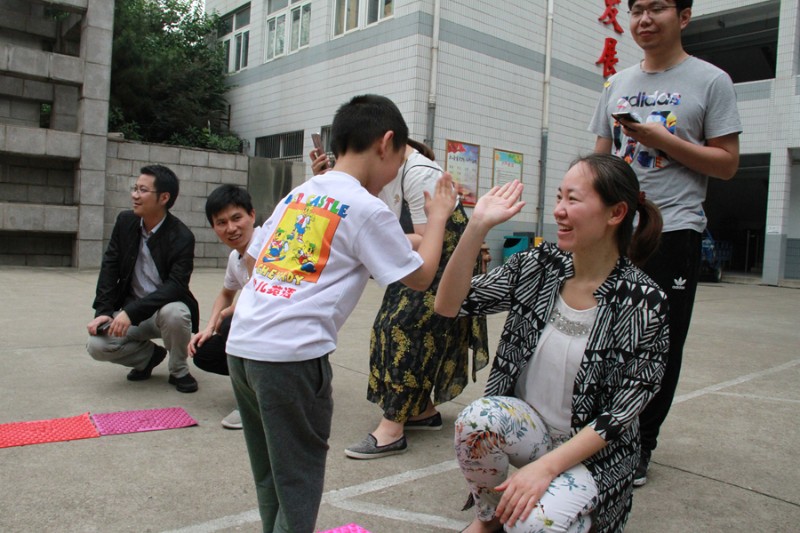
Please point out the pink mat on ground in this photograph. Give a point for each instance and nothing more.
(144, 420)
(41, 431)
(349, 528)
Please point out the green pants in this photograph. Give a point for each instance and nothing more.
(286, 413)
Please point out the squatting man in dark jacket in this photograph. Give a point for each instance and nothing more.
(143, 287)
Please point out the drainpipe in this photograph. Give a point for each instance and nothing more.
(548, 52)
(437, 9)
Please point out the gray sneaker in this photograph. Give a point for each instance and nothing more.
(369, 449)
(640, 475)
(233, 420)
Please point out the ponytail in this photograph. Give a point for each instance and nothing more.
(647, 234)
(422, 148)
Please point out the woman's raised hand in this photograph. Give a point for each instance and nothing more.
(499, 204)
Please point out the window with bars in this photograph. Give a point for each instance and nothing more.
(287, 146)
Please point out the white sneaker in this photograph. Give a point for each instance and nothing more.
(233, 420)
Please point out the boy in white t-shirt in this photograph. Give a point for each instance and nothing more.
(230, 212)
(312, 262)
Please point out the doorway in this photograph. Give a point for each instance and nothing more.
(737, 214)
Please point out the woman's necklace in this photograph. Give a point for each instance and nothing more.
(567, 326)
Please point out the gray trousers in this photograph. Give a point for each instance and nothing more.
(286, 413)
(172, 323)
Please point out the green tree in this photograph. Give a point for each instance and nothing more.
(167, 74)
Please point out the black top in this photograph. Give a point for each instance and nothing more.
(172, 249)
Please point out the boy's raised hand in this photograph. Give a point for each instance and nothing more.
(320, 163)
(499, 204)
(444, 199)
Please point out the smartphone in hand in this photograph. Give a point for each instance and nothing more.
(625, 112)
(102, 329)
(628, 116)
(316, 138)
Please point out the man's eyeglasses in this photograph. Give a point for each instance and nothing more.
(653, 10)
(141, 190)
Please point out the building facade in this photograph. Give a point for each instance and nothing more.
(63, 178)
(55, 72)
(514, 84)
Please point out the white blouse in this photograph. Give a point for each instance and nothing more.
(547, 382)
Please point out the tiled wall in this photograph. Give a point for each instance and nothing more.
(40, 249)
(491, 65)
(36, 180)
(199, 172)
(32, 188)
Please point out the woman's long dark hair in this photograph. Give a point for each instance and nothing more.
(422, 148)
(615, 181)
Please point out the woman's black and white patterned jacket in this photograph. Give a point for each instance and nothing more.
(621, 369)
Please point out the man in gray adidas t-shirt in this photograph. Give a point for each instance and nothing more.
(682, 127)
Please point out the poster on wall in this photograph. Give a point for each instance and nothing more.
(506, 167)
(462, 162)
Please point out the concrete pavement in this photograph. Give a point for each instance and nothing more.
(726, 459)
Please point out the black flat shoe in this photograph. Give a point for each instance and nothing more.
(432, 423)
(159, 353)
(186, 383)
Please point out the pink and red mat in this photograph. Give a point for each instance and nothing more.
(349, 528)
(88, 426)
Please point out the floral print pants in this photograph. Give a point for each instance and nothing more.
(496, 431)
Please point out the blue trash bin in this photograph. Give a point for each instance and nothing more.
(514, 244)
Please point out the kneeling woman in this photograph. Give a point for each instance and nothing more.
(582, 352)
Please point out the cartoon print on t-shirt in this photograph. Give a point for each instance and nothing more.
(305, 258)
(299, 247)
(277, 247)
(301, 223)
(628, 149)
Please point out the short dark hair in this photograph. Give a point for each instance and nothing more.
(365, 119)
(165, 181)
(680, 4)
(224, 196)
(615, 181)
